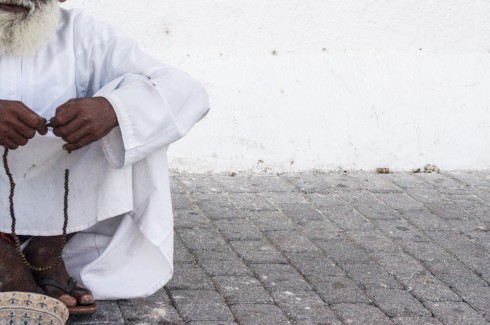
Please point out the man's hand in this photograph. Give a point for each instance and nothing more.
(18, 124)
(82, 121)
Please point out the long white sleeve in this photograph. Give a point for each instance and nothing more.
(155, 104)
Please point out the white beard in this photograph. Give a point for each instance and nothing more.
(22, 34)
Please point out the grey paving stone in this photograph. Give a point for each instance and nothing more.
(397, 303)
(108, 312)
(367, 204)
(201, 239)
(223, 254)
(399, 201)
(258, 252)
(399, 264)
(242, 290)
(471, 253)
(374, 241)
(272, 184)
(190, 219)
(468, 227)
(211, 323)
(201, 305)
(325, 201)
(238, 229)
(305, 307)
(310, 183)
(338, 289)
(176, 185)
(472, 178)
(292, 242)
(360, 314)
(197, 183)
(468, 202)
(399, 229)
(426, 220)
(180, 201)
(314, 264)
(255, 183)
(280, 277)
(343, 251)
(479, 299)
(189, 276)
(483, 193)
(424, 251)
(477, 214)
(443, 182)
(345, 181)
(447, 210)
(252, 202)
(360, 197)
(455, 275)
(455, 313)
(259, 314)
(230, 266)
(272, 221)
(149, 311)
(237, 184)
(299, 213)
(375, 183)
(416, 321)
(408, 181)
(214, 213)
(426, 195)
(480, 236)
(320, 230)
(370, 275)
(277, 198)
(347, 218)
(426, 287)
(181, 253)
(217, 206)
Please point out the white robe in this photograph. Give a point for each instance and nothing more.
(119, 200)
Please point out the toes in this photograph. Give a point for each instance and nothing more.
(68, 300)
(83, 296)
(65, 298)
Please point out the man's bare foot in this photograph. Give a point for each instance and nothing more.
(41, 252)
(14, 274)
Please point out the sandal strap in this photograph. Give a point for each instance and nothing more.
(50, 282)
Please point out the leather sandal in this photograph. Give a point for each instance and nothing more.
(72, 284)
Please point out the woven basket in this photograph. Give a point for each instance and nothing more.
(31, 308)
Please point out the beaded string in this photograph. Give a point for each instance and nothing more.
(17, 242)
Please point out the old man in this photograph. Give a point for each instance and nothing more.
(79, 96)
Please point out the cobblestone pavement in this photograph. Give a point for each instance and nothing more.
(312, 248)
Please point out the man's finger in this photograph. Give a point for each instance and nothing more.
(67, 129)
(78, 135)
(43, 127)
(24, 130)
(10, 144)
(75, 146)
(32, 120)
(17, 139)
(64, 114)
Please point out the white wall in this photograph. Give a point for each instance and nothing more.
(322, 84)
